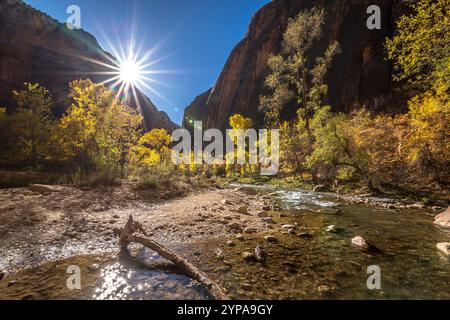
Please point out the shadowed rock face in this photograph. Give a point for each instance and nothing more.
(36, 48)
(359, 76)
(196, 109)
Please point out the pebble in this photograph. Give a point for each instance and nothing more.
(262, 214)
(288, 226)
(291, 231)
(13, 282)
(331, 228)
(248, 256)
(360, 242)
(240, 237)
(93, 267)
(250, 230)
(323, 289)
(270, 238)
(305, 235)
(246, 286)
(444, 247)
(242, 209)
(231, 243)
(219, 254)
(268, 220)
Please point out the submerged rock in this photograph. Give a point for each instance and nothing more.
(444, 247)
(364, 244)
(360, 242)
(443, 219)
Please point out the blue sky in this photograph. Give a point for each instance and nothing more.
(194, 38)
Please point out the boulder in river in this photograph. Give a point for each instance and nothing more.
(364, 244)
(443, 219)
(444, 247)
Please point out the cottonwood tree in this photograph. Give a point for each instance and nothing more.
(296, 77)
(97, 131)
(420, 51)
(27, 129)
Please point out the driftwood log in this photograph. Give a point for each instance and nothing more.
(127, 235)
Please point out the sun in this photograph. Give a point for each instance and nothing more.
(130, 72)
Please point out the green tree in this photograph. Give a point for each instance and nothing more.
(28, 127)
(296, 78)
(420, 50)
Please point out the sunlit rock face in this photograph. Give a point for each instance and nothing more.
(359, 76)
(36, 48)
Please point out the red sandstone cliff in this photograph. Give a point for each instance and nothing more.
(359, 76)
(36, 48)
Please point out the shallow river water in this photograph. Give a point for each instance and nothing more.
(313, 263)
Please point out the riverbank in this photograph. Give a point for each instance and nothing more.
(59, 222)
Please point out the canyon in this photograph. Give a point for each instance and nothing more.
(360, 76)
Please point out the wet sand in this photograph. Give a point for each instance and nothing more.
(39, 227)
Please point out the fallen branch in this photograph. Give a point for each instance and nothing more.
(127, 235)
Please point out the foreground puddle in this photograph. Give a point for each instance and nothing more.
(103, 278)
